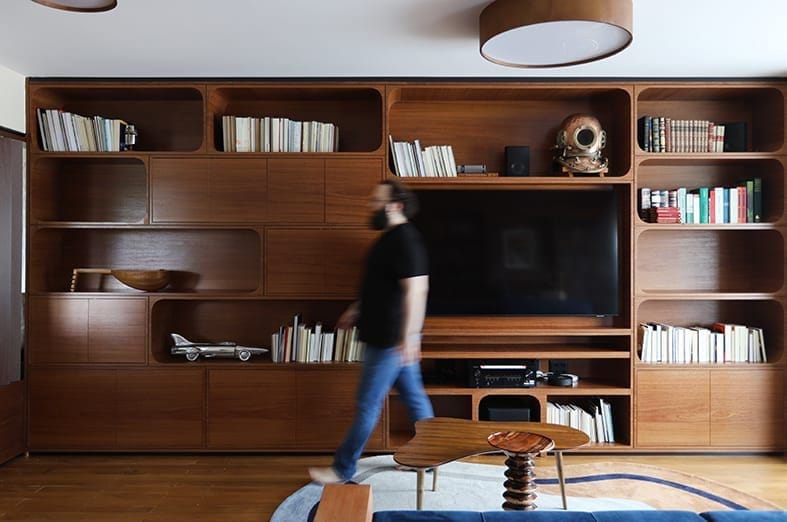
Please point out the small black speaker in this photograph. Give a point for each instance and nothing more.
(517, 160)
(735, 137)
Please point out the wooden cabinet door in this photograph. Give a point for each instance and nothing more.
(315, 261)
(348, 185)
(160, 408)
(117, 330)
(251, 408)
(672, 408)
(72, 409)
(326, 406)
(747, 408)
(88, 330)
(294, 261)
(296, 191)
(58, 330)
(180, 190)
(345, 254)
(208, 190)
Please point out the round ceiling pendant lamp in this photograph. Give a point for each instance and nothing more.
(554, 33)
(83, 6)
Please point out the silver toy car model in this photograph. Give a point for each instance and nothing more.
(222, 349)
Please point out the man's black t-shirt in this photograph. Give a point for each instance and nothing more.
(397, 255)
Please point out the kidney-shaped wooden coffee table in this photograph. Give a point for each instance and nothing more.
(441, 440)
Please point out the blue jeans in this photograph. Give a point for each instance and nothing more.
(381, 371)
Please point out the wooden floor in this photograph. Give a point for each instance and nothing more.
(240, 488)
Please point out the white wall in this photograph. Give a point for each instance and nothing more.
(12, 99)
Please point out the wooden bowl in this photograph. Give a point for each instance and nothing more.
(148, 280)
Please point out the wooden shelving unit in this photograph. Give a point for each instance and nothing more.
(690, 275)
(253, 238)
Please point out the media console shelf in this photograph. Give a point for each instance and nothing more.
(254, 238)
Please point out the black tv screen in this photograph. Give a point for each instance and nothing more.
(495, 252)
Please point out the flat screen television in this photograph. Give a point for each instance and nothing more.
(509, 253)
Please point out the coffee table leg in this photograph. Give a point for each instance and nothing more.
(434, 479)
(520, 493)
(419, 499)
(559, 463)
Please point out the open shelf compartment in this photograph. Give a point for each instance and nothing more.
(621, 417)
(207, 260)
(767, 314)
(401, 428)
(480, 121)
(665, 173)
(168, 118)
(90, 190)
(249, 322)
(760, 107)
(710, 261)
(356, 110)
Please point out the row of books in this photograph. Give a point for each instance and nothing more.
(268, 134)
(663, 134)
(300, 343)
(63, 131)
(721, 343)
(436, 161)
(716, 205)
(593, 416)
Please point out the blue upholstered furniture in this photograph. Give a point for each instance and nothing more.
(580, 516)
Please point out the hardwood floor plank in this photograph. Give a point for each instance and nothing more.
(197, 488)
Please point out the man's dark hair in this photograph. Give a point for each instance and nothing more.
(399, 193)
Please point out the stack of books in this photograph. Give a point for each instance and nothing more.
(721, 343)
(411, 161)
(63, 131)
(663, 134)
(593, 417)
(664, 215)
(704, 205)
(266, 134)
(298, 342)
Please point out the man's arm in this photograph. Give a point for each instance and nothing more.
(415, 291)
(350, 316)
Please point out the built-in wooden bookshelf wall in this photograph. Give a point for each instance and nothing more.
(253, 238)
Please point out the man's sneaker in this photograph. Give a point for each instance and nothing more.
(325, 476)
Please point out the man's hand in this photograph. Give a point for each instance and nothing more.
(410, 349)
(350, 316)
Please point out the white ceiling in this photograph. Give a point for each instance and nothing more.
(363, 38)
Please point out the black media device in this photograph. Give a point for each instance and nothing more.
(503, 374)
(560, 379)
(517, 160)
(521, 253)
(504, 409)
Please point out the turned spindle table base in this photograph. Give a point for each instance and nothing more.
(520, 448)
